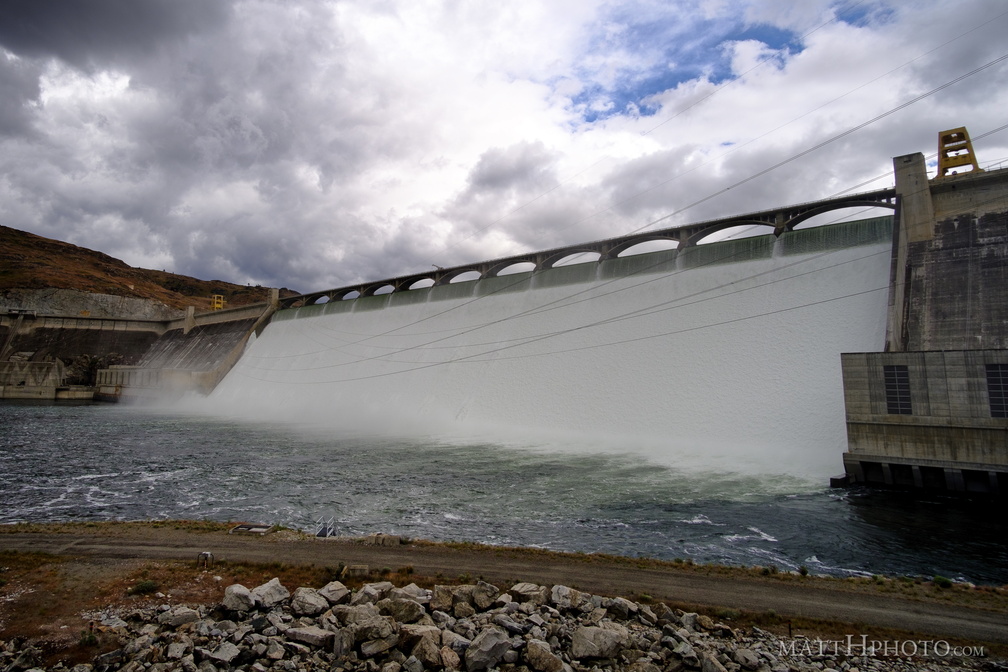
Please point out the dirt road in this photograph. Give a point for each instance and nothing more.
(814, 599)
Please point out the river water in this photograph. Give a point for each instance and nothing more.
(94, 462)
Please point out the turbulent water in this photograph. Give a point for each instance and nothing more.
(102, 462)
(672, 406)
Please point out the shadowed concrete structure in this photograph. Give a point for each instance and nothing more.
(192, 352)
(930, 412)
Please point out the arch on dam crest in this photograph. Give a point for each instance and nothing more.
(621, 249)
(571, 257)
(779, 220)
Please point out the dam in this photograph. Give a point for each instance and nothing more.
(878, 344)
(719, 356)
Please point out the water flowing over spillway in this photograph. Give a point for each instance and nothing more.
(725, 357)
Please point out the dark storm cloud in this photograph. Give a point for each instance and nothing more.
(19, 88)
(86, 34)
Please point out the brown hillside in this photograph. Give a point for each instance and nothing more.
(28, 261)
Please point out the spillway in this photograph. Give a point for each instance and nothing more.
(721, 357)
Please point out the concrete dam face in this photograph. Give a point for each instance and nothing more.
(721, 357)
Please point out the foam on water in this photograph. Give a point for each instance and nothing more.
(720, 367)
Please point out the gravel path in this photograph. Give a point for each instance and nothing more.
(597, 575)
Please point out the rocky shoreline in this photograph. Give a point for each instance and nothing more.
(474, 627)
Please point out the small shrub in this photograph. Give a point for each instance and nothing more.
(942, 582)
(803, 570)
(407, 570)
(644, 598)
(384, 571)
(728, 614)
(145, 587)
(88, 638)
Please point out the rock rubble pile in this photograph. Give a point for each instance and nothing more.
(471, 628)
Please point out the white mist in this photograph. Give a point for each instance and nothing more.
(732, 367)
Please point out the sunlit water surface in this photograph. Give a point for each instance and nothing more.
(105, 462)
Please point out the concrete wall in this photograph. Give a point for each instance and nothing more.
(948, 320)
(951, 423)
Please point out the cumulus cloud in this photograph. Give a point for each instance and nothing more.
(310, 145)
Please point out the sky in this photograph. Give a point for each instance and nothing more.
(312, 145)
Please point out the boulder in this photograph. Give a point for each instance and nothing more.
(449, 659)
(371, 592)
(596, 642)
(308, 602)
(563, 597)
(621, 608)
(178, 616)
(238, 598)
(484, 595)
(349, 615)
(270, 593)
(428, 651)
(411, 592)
(335, 592)
(225, 653)
(530, 592)
(455, 641)
(487, 649)
(709, 663)
(540, 656)
(313, 636)
(404, 611)
(747, 658)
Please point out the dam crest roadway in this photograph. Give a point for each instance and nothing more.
(780, 220)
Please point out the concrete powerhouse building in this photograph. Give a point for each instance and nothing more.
(931, 412)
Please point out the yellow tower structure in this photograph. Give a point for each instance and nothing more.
(955, 151)
(217, 302)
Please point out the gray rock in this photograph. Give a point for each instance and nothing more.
(509, 624)
(484, 595)
(308, 602)
(371, 592)
(709, 663)
(225, 653)
(427, 651)
(442, 599)
(349, 615)
(275, 651)
(563, 597)
(238, 598)
(486, 649)
(596, 642)
(747, 658)
(176, 650)
(178, 616)
(404, 611)
(376, 635)
(621, 608)
(335, 592)
(270, 593)
(455, 641)
(540, 656)
(688, 655)
(530, 592)
(411, 633)
(450, 659)
(313, 636)
(412, 664)
(411, 592)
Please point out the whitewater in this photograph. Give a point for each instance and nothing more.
(724, 358)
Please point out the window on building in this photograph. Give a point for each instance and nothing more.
(997, 389)
(897, 390)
